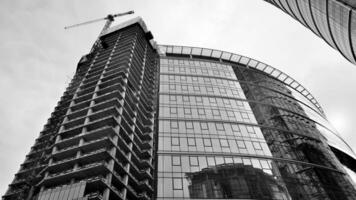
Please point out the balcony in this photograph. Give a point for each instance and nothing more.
(74, 123)
(79, 173)
(106, 131)
(108, 121)
(109, 76)
(86, 147)
(90, 157)
(110, 89)
(77, 114)
(80, 106)
(83, 98)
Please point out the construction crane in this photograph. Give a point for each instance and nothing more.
(109, 19)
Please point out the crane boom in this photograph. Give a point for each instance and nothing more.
(109, 19)
(84, 23)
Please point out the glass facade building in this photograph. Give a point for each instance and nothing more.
(332, 20)
(147, 121)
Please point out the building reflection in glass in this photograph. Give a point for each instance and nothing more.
(237, 181)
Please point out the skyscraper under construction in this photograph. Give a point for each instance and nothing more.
(147, 121)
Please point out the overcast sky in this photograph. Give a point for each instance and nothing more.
(38, 57)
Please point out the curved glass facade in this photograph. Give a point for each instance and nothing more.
(332, 20)
(231, 127)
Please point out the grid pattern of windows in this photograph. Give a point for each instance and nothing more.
(205, 122)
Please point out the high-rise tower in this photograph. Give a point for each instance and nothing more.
(141, 121)
(332, 20)
(99, 142)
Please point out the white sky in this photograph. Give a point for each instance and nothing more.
(38, 57)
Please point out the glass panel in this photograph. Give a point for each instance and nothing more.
(177, 49)
(235, 58)
(261, 66)
(186, 50)
(269, 69)
(353, 30)
(252, 63)
(196, 51)
(319, 13)
(339, 24)
(169, 49)
(294, 7)
(244, 60)
(216, 54)
(286, 7)
(305, 11)
(206, 52)
(226, 55)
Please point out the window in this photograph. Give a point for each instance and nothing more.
(175, 141)
(209, 89)
(183, 78)
(245, 115)
(204, 71)
(212, 100)
(189, 125)
(164, 61)
(235, 93)
(241, 144)
(218, 81)
(194, 78)
(201, 111)
(219, 126)
(230, 114)
(174, 124)
(187, 111)
(222, 90)
(199, 99)
(196, 88)
(171, 77)
(173, 110)
(224, 143)
(257, 145)
(177, 184)
(207, 80)
(216, 112)
(184, 87)
(240, 103)
(227, 102)
(250, 129)
(193, 161)
(181, 69)
(211, 161)
(191, 141)
(171, 68)
(176, 161)
(172, 98)
(172, 87)
(228, 160)
(207, 142)
(203, 126)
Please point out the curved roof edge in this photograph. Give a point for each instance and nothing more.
(249, 62)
